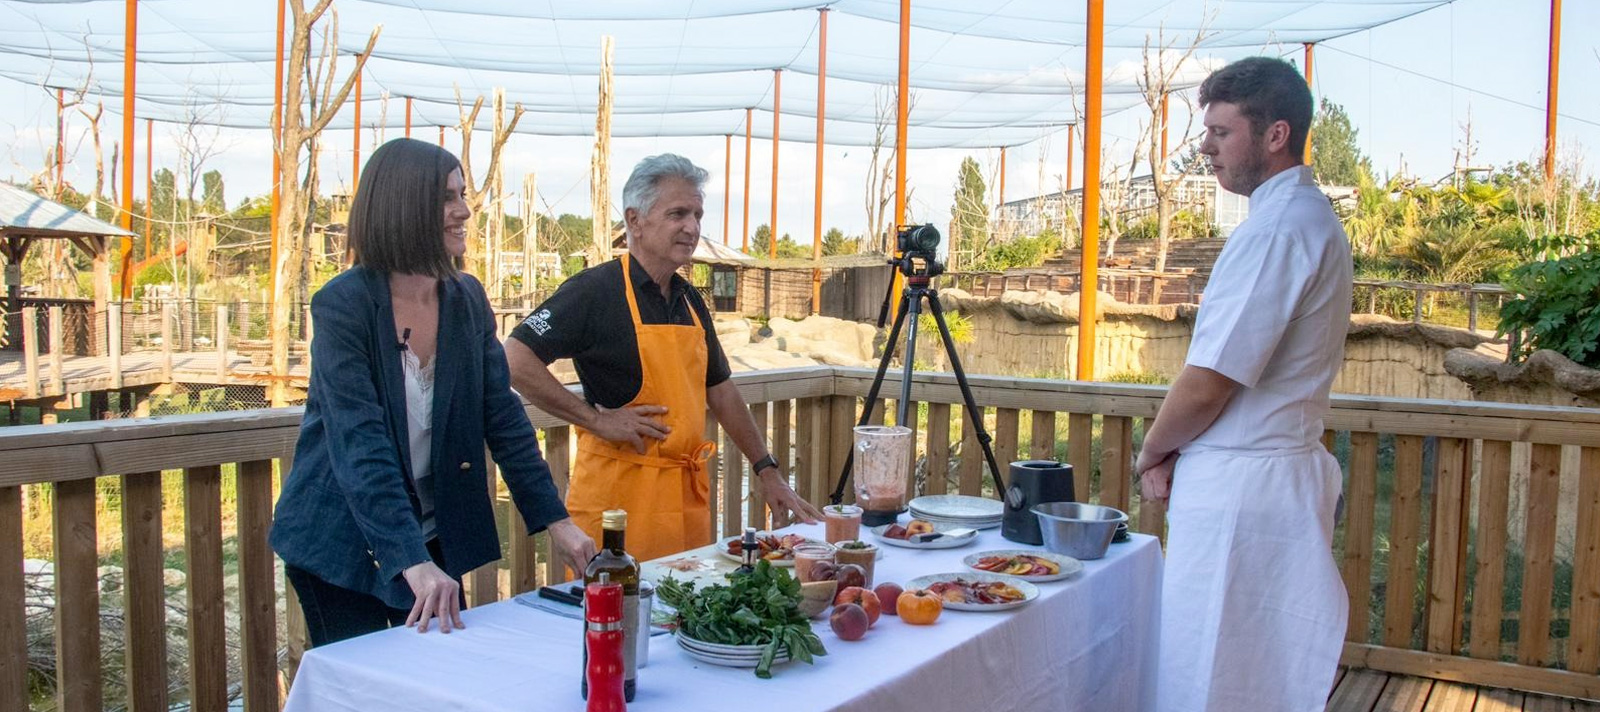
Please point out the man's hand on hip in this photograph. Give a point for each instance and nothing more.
(630, 424)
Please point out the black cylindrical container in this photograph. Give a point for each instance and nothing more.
(1033, 482)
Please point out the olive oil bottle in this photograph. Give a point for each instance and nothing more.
(614, 561)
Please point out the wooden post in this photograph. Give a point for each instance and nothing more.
(13, 591)
(1416, 310)
(1552, 92)
(1309, 46)
(166, 342)
(355, 151)
(744, 239)
(57, 345)
(277, 140)
(822, 110)
(1089, 258)
(130, 42)
(114, 342)
(222, 344)
(600, 162)
(530, 236)
(30, 349)
(727, 183)
(777, 103)
(77, 612)
(145, 655)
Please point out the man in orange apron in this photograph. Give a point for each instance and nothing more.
(641, 340)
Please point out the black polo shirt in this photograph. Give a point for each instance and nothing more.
(587, 320)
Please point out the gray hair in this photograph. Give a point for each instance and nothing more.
(644, 185)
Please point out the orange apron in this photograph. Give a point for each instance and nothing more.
(665, 490)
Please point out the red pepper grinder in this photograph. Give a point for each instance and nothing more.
(604, 640)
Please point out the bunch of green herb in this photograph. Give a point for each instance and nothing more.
(758, 608)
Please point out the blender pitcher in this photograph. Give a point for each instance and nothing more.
(882, 458)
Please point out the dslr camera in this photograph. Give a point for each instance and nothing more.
(918, 246)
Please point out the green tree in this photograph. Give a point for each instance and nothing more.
(761, 240)
(969, 215)
(835, 243)
(1559, 304)
(789, 249)
(1335, 157)
(211, 193)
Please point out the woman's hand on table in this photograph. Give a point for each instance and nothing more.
(438, 596)
(572, 546)
(781, 497)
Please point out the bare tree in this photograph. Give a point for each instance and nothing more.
(198, 140)
(1162, 64)
(880, 171)
(297, 132)
(479, 194)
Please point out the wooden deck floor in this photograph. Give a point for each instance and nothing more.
(1372, 691)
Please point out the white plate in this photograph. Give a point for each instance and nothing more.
(943, 542)
(958, 507)
(722, 548)
(1029, 591)
(740, 660)
(953, 523)
(1069, 565)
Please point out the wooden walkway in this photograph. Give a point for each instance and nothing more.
(1372, 691)
(140, 368)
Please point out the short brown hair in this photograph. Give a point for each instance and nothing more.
(397, 217)
(1265, 89)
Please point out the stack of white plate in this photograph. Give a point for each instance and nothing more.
(739, 656)
(958, 510)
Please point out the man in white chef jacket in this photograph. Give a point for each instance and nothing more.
(1253, 611)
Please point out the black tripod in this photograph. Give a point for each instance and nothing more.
(919, 268)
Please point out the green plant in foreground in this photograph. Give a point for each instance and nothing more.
(1559, 306)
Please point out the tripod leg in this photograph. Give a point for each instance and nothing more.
(872, 394)
(966, 392)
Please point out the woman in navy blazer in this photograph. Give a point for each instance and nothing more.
(371, 536)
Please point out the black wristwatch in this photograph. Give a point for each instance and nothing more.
(763, 463)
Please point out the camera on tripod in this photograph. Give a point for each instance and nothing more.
(918, 246)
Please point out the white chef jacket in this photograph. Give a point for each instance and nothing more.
(1274, 317)
(1253, 608)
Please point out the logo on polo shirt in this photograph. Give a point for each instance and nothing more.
(539, 321)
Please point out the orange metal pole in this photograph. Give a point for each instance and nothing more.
(130, 45)
(777, 103)
(1309, 45)
(61, 142)
(1552, 92)
(149, 180)
(277, 142)
(902, 115)
(744, 240)
(822, 110)
(1089, 264)
(727, 182)
(355, 150)
(441, 137)
(1072, 143)
(408, 117)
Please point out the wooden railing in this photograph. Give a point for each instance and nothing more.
(1442, 473)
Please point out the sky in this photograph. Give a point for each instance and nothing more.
(1409, 87)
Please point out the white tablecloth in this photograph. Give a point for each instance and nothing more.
(1087, 643)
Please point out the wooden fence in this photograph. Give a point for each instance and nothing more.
(1444, 473)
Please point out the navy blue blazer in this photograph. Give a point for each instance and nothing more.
(349, 513)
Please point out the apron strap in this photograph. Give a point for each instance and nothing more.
(633, 302)
(694, 462)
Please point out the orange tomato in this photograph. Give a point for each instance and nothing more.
(920, 606)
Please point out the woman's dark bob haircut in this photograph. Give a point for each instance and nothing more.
(397, 218)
